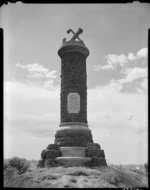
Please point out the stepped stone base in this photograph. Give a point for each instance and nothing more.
(73, 151)
(72, 161)
(73, 146)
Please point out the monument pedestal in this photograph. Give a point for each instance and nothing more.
(73, 146)
(77, 147)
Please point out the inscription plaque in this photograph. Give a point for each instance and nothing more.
(73, 103)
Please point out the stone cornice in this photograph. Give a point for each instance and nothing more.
(74, 47)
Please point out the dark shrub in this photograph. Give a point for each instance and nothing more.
(10, 171)
(146, 167)
(5, 165)
(21, 164)
(49, 177)
(79, 173)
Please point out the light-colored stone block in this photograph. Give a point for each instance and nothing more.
(73, 161)
(73, 151)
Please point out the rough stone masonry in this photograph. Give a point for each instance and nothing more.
(73, 144)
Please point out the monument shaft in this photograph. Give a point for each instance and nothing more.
(73, 87)
(73, 130)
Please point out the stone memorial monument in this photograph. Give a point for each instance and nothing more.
(73, 144)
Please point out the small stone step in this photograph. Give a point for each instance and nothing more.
(73, 161)
(73, 151)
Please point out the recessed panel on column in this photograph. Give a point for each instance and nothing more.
(73, 103)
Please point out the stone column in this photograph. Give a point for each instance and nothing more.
(73, 83)
(74, 129)
(73, 144)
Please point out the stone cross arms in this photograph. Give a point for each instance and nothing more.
(75, 35)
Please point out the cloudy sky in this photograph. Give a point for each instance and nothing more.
(117, 36)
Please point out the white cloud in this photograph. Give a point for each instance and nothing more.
(40, 76)
(131, 57)
(104, 67)
(142, 53)
(133, 74)
(35, 67)
(144, 84)
(20, 90)
(38, 71)
(134, 81)
(113, 61)
(131, 78)
(51, 75)
(48, 84)
(35, 75)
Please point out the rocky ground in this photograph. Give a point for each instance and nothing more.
(78, 177)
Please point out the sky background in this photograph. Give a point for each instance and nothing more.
(117, 37)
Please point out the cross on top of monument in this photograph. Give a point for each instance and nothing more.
(75, 35)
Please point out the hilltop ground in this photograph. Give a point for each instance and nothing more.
(79, 177)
